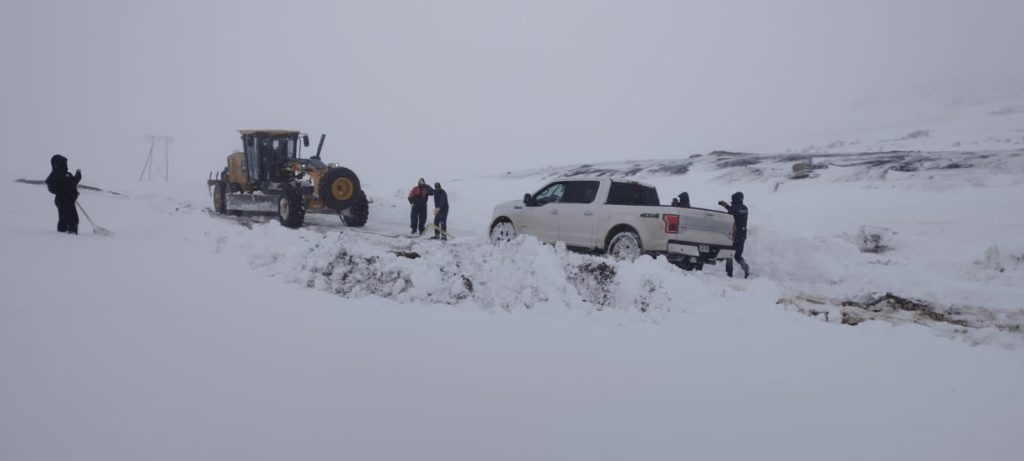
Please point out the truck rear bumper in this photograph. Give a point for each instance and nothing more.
(679, 249)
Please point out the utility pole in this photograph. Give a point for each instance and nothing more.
(147, 168)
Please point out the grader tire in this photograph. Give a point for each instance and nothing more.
(220, 201)
(339, 188)
(291, 210)
(359, 213)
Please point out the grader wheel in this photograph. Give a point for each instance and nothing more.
(339, 188)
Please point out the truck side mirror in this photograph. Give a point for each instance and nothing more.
(305, 140)
(528, 200)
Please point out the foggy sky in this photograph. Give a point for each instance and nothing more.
(450, 88)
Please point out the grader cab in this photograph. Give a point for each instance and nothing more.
(269, 175)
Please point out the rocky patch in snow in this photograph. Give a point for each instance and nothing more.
(875, 240)
(974, 324)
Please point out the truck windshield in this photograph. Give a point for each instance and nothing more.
(622, 193)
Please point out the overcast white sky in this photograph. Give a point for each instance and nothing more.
(446, 88)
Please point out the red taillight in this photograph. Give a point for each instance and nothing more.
(671, 223)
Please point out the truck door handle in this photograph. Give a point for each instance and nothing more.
(554, 211)
(588, 213)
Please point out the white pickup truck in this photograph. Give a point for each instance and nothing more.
(622, 218)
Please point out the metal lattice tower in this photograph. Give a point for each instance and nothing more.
(147, 169)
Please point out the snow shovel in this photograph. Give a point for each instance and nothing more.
(431, 227)
(95, 229)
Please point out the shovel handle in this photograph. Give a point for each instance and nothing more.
(86, 214)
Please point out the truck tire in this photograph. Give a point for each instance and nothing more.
(339, 188)
(687, 265)
(358, 213)
(291, 210)
(502, 231)
(220, 201)
(624, 245)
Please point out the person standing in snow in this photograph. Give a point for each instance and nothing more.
(440, 212)
(418, 200)
(739, 232)
(64, 186)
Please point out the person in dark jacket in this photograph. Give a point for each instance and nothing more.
(683, 200)
(64, 187)
(418, 199)
(739, 232)
(440, 212)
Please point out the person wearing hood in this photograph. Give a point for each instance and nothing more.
(64, 186)
(440, 212)
(418, 199)
(739, 232)
(683, 200)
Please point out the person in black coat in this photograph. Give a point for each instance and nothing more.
(64, 186)
(418, 199)
(683, 200)
(739, 232)
(440, 212)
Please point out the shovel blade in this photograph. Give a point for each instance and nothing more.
(101, 231)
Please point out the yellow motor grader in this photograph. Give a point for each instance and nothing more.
(269, 176)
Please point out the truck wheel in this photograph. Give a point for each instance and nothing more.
(290, 210)
(625, 245)
(502, 231)
(339, 188)
(358, 213)
(220, 204)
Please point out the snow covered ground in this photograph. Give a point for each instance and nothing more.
(188, 335)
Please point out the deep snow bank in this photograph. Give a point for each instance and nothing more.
(525, 273)
(519, 274)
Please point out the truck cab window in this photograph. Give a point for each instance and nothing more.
(622, 193)
(580, 191)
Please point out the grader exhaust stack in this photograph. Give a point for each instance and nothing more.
(320, 146)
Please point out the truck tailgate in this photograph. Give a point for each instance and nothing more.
(705, 226)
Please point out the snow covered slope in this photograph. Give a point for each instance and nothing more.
(189, 335)
(935, 122)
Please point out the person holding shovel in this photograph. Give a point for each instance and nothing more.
(440, 212)
(64, 186)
